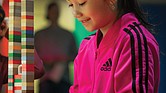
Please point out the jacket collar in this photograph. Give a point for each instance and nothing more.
(113, 32)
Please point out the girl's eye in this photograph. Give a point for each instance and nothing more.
(70, 5)
(81, 4)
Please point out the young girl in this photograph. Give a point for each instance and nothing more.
(122, 57)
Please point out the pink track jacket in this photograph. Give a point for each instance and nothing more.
(126, 60)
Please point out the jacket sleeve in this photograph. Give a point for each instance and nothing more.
(134, 74)
(38, 66)
(74, 87)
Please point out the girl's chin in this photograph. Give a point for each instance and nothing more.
(90, 29)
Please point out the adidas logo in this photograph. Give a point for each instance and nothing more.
(107, 66)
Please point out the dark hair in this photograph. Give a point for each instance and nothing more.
(126, 6)
(51, 5)
(2, 14)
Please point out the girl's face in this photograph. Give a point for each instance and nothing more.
(93, 14)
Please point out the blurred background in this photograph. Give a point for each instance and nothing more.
(157, 16)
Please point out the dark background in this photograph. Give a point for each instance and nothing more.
(157, 16)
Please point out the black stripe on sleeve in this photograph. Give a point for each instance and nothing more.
(139, 57)
(146, 55)
(133, 59)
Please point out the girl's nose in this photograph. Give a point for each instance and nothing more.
(77, 14)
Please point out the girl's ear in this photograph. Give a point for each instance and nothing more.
(114, 1)
(112, 4)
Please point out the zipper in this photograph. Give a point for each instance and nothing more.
(96, 56)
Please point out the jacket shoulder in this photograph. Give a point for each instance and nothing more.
(86, 41)
(89, 37)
